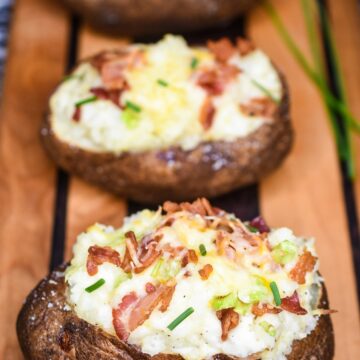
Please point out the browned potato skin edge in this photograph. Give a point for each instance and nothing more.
(47, 331)
(155, 176)
(139, 18)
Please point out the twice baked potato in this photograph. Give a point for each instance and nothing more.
(170, 121)
(188, 281)
(148, 17)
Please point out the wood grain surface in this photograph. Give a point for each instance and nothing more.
(26, 175)
(304, 194)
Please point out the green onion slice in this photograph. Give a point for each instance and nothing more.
(95, 286)
(194, 63)
(276, 293)
(85, 101)
(132, 106)
(180, 318)
(252, 228)
(163, 83)
(202, 249)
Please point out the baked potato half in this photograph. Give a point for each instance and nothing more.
(170, 121)
(188, 281)
(139, 17)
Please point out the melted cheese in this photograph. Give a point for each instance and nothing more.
(169, 114)
(199, 336)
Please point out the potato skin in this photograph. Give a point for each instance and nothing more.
(48, 329)
(150, 17)
(154, 176)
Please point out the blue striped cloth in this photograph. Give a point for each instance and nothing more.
(5, 13)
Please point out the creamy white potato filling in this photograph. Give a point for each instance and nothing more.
(170, 100)
(247, 277)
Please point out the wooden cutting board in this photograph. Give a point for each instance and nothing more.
(306, 193)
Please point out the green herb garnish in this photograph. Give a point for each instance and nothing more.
(265, 91)
(132, 106)
(284, 252)
(85, 101)
(180, 318)
(194, 63)
(252, 228)
(336, 106)
(276, 293)
(202, 249)
(95, 286)
(269, 328)
(130, 118)
(162, 83)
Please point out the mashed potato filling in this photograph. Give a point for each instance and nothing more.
(245, 262)
(169, 102)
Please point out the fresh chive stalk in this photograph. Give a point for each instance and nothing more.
(180, 318)
(132, 106)
(276, 293)
(202, 249)
(335, 106)
(95, 286)
(162, 82)
(85, 101)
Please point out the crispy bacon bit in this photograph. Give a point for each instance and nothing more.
(210, 82)
(145, 306)
(260, 224)
(262, 309)
(132, 247)
(213, 81)
(105, 56)
(121, 313)
(207, 113)
(77, 114)
(171, 207)
(166, 298)
(189, 257)
(112, 95)
(244, 46)
(206, 271)
(229, 320)
(111, 66)
(112, 74)
(292, 304)
(305, 264)
(265, 107)
(200, 206)
(98, 255)
(149, 288)
(148, 252)
(223, 49)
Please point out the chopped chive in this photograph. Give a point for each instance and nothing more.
(162, 82)
(180, 318)
(95, 286)
(202, 249)
(194, 63)
(276, 293)
(132, 106)
(252, 228)
(265, 91)
(85, 101)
